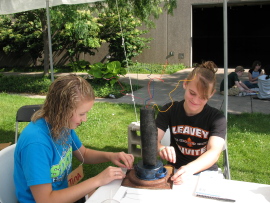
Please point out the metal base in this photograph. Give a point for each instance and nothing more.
(145, 172)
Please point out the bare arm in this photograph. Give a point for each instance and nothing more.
(43, 193)
(250, 78)
(242, 87)
(91, 156)
(206, 160)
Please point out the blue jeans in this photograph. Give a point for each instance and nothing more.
(251, 85)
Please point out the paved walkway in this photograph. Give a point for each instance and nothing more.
(169, 87)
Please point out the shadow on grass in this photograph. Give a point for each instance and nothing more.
(7, 136)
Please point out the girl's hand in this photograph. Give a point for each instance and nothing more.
(109, 174)
(181, 176)
(167, 153)
(123, 160)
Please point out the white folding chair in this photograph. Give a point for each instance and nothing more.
(7, 187)
(226, 165)
(24, 114)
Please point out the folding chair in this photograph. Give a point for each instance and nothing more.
(226, 165)
(24, 114)
(7, 187)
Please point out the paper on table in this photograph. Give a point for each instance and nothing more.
(214, 188)
(129, 195)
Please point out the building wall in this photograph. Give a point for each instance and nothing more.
(172, 38)
(174, 33)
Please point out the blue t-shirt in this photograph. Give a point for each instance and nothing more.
(255, 74)
(40, 160)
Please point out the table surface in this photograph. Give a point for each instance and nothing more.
(241, 191)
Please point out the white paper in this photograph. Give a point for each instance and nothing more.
(213, 187)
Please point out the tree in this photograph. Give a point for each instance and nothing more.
(143, 9)
(112, 33)
(132, 14)
(21, 34)
(75, 28)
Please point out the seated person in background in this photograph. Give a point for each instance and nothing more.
(264, 84)
(253, 75)
(235, 86)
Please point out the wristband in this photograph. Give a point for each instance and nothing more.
(161, 149)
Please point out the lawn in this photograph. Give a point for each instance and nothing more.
(106, 129)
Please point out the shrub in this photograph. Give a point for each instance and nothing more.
(40, 85)
(107, 71)
(24, 84)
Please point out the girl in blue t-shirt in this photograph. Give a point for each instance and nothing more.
(253, 75)
(43, 155)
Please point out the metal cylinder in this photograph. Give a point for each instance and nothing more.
(148, 132)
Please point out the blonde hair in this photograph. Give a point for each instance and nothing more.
(62, 99)
(206, 74)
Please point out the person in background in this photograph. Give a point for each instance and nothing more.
(43, 154)
(253, 75)
(264, 84)
(235, 86)
(197, 131)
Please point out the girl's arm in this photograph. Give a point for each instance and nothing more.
(43, 193)
(250, 77)
(206, 160)
(91, 156)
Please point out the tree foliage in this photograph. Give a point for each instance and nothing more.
(122, 33)
(144, 9)
(22, 34)
(82, 29)
(76, 30)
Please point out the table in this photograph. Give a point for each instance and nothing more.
(242, 191)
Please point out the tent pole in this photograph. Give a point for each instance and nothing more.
(49, 38)
(225, 24)
(225, 57)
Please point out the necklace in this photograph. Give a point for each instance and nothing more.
(64, 142)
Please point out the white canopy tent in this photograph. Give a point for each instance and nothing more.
(16, 6)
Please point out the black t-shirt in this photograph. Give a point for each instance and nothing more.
(190, 134)
(232, 77)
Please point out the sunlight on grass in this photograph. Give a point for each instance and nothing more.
(107, 125)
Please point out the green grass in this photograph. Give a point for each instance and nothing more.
(106, 129)
(248, 145)
(143, 68)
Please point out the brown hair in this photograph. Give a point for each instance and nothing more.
(255, 63)
(206, 73)
(62, 99)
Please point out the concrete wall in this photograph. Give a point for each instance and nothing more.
(174, 33)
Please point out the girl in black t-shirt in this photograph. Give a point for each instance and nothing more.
(197, 130)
